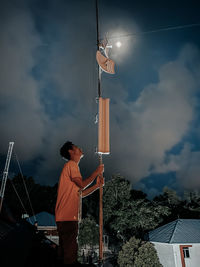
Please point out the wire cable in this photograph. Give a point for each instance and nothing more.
(25, 186)
(170, 28)
(20, 200)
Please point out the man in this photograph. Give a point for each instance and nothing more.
(71, 189)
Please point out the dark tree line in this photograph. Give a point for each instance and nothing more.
(42, 198)
(127, 212)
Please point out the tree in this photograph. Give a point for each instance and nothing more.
(136, 253)
(147, 256)
(168, 198)
(116, 194)
(128, 252)
(125, 216)
(42, 198)
(90, 205)
(179, 208)
(116, 208)
(88, 232)
(193, 201)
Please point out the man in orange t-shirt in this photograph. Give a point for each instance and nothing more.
(71, 189)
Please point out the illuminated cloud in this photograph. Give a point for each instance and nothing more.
(48, 90)
(144, 130)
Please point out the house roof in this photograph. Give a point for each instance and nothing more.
(178, 231)
(43, 219)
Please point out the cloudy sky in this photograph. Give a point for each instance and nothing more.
(48, 86)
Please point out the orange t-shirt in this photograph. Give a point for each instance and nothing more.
(68, 199)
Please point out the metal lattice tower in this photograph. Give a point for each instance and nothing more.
(5, 173)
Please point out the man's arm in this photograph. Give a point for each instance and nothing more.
(90, 190)
(90, 179)
(83, 184)
(78, 181)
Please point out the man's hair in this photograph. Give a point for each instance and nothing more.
(64, 151)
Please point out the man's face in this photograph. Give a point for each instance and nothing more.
(77, 151)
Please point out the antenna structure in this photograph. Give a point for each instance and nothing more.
(100, 155)
(107, 65)
(5, 173)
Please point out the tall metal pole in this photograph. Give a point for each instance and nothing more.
(99, 70)
(5, 173)
(100, 219)
(100, 155)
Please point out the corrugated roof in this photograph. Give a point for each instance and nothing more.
(178, 231)
(44, 219)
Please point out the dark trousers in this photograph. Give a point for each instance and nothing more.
(68, 246)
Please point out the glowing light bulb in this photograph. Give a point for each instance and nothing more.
(118, 44)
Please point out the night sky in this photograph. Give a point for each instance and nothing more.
(48, 88)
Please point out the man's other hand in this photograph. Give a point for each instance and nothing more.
(100, 169)
(100, 181)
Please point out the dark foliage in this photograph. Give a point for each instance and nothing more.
(22, 246)
(127, 212)
(43, 198)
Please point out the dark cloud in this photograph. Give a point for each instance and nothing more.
(22, 118)
(48, 77)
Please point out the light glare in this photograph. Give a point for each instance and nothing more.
(118, 44)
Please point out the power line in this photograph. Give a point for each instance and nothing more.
(170, 28)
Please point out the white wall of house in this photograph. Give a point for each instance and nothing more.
(195, 255)
(170, 256)
(165, 254)
(193, 260)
